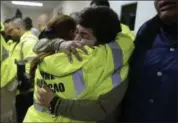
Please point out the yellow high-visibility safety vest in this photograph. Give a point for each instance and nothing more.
(127, 31)
(8, 67)
(2, 27)
(11, 44)
(104, 68)
(23, 51)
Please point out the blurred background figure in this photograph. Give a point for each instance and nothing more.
(18, 14)
(42, 21)
(29, 26)
(100, 3)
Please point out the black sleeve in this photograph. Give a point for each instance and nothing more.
(93, 110)
(42, 34)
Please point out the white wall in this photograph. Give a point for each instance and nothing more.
(72, 6)
(6, 12)
(33, 14)
(145, 9)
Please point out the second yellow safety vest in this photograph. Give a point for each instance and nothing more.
(23, 51)
(127, 31)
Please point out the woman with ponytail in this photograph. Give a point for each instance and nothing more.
(60, 27)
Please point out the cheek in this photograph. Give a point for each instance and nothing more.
(93, 42)
(171, 15)
(87, 37)
(14, 33)
(89, 42)
(72, 36)
(77, 37)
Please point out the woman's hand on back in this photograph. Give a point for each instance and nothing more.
(70, 47)
(45, 95)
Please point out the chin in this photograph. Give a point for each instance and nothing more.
(168, 17)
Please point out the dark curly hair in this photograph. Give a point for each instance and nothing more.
(60, 27)
(103, 21)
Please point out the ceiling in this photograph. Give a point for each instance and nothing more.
(47, 5)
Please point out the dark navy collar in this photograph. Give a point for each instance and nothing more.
(170, 31)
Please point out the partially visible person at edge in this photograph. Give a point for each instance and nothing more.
(42, 21)
(8, 84)
(152, 93)
(7, 37)
(42, 45)
(89, 90)
(23, 54)
(29, 26)
(125, 29)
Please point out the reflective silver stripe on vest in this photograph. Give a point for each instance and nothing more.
(118, 62)
(29, 59)
(23, 62)
(79, 88)
(21, 51)
(4, 53)
(78, 82)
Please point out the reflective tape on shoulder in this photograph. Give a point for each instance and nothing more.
(118, 63)
(4, 54)
(79, 82)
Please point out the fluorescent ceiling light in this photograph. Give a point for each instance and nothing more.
(27, 3)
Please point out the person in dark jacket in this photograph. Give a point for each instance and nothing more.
(152, 93)
(100, 3)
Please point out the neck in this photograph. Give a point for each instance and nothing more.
(170, 28)
(171, 31)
